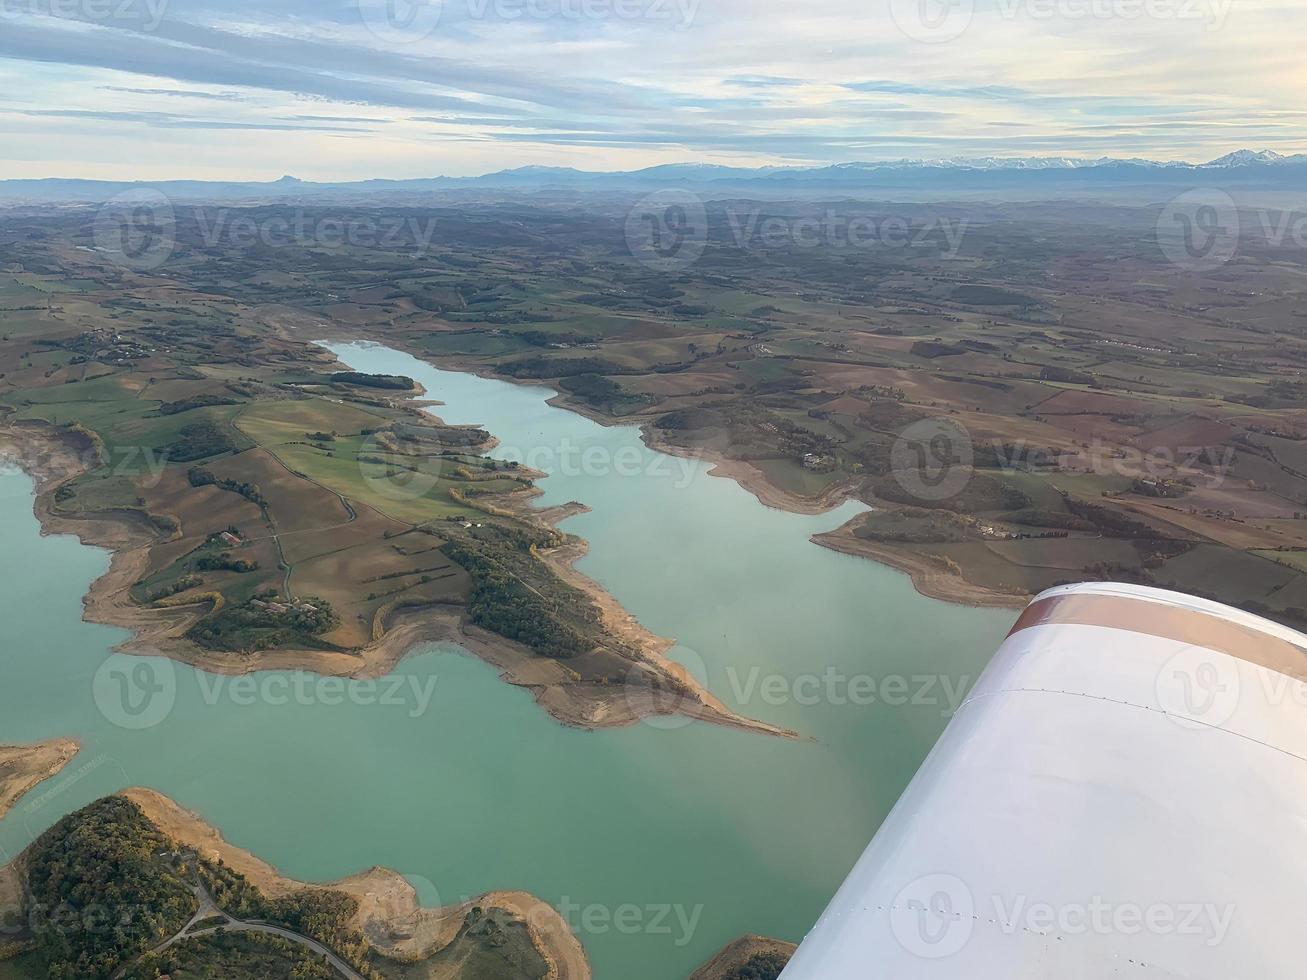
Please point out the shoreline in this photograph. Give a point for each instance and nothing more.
(752, 480)
(24, 767)
(49, 457)
(742, 472)
(597, 707)
(927, 577)
(736, 955)
(41, 761)
(927, 580)
(389, 915)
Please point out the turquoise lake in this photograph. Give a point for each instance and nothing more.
(661, 843)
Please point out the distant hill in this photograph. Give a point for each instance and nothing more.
(999, 177)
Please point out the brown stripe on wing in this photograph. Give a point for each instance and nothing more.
(1192, 626)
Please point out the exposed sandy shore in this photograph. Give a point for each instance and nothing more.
(738, 953)
(11, 890)
(754, 480)
(23, 767)
(928, 577)
(389, 913)
(53, 457)
(572, 702)
(627, 705)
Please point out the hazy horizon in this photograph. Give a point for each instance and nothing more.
(354, 89)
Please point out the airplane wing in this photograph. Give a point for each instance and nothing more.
(1124, 793)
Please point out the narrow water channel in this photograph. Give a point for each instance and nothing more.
(659, 843)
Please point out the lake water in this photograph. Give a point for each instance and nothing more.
(659, 843)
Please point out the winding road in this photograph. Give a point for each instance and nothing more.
(208, 909)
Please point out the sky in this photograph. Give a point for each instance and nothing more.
(352, 89)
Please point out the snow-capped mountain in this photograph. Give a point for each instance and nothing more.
(1239, 158)
(1248, 158)
(997, 177)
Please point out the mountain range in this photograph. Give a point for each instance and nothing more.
(1000, 177)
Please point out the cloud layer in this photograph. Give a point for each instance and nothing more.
(337, 89)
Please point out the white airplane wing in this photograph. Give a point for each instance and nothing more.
(1124, 794)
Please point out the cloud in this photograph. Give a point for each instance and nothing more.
(737, 81)
(177, 93)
